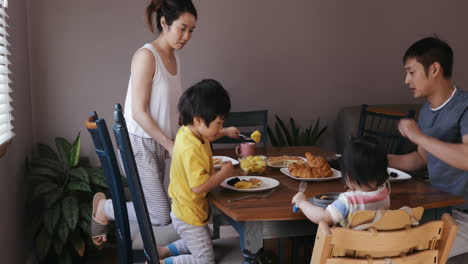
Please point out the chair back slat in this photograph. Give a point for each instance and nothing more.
(134, 184)
(99, 133)
(383, 125)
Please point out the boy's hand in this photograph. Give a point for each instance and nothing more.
(298, 199)
(227, 169)
(232, 132)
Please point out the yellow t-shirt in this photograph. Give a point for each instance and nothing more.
(191, 166)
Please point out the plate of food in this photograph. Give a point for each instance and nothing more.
(249, 183)
(284, 161)
(333, 175)
(397, 175)
(217, 160)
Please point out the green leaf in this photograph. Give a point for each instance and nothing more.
(85, 211)
(80, 174)
(75, 152)
(78, 186)
(58, 246)
(51, 217)
(84, 225)
(70, 211)
(44, 188)
(78, 243)
(46, 152)
(44, 172)
(96, 176)
(295, 132)
(285, 131)
(65, 258)
(62, 231)
(42, 244)
(64, 150)
(54, 165)
(281, 140)
(52, 197)
(272, 137)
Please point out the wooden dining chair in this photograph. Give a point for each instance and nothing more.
(383, 125)
(391, 239)
(134, 184)
(247, 122)
(98, 129)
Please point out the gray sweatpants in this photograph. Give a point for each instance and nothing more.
(194, 247)
(150, 161)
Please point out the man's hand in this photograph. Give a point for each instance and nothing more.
(409, 129)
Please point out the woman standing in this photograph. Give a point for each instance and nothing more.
(150, 110)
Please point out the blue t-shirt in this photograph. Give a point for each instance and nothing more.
(448, 124)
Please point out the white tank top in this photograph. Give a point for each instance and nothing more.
(165, 93)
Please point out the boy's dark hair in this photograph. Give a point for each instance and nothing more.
(206, 99)
(169, 9)
(364, 162)
(429, 50)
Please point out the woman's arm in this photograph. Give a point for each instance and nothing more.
(142, 72)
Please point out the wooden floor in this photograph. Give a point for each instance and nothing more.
(271, 253)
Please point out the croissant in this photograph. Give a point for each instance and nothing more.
(316, 167)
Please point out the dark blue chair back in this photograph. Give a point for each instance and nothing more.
(98, 129)
(251, 121)
(134, 184)
(383, 125)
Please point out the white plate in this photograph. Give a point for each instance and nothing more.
(401, 175)
(336, 175)
(267, 183)
(224, 159)
(304, 159)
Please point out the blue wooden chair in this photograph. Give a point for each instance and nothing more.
(134, 184)
(382, 124)
(98, 129)
(247, 122)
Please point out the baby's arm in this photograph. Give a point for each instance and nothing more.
(313, 212)
(214, 180)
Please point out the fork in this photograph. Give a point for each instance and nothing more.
(302, 188)
(258, 196)
(246, 137)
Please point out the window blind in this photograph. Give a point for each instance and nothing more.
(6, 128)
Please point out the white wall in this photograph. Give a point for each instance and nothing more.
(12, 245)
(301, 58)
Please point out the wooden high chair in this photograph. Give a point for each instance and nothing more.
(389, 236)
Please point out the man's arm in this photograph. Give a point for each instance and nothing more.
(409, 162)
(454, 154)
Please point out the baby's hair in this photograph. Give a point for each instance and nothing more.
(169, 9)
(206, 99)
(364, 162)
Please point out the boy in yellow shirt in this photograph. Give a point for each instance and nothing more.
(202, 109)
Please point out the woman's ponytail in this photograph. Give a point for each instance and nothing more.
(152, 9)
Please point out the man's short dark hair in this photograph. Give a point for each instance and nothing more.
(429, 50)
(364, 162)
(206, 99)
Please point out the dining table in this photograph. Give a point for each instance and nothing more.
(273, 217)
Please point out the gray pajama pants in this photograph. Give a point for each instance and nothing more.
(150, 160)
(194, 247)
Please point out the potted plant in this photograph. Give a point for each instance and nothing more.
(60, 190)
(282, 136)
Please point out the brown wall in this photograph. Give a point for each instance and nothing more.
(12, 245)
(298, 58)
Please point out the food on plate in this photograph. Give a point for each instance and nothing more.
(393, 174)
(283, 161)
(217, 161)
(255, 136)
(233, 181)
(253, 164)
(324, 197)
(248, 184)
(316, 167)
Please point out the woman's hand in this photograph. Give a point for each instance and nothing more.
(298, 199)
(169, 147)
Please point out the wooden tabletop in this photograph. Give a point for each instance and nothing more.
(412, 193)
